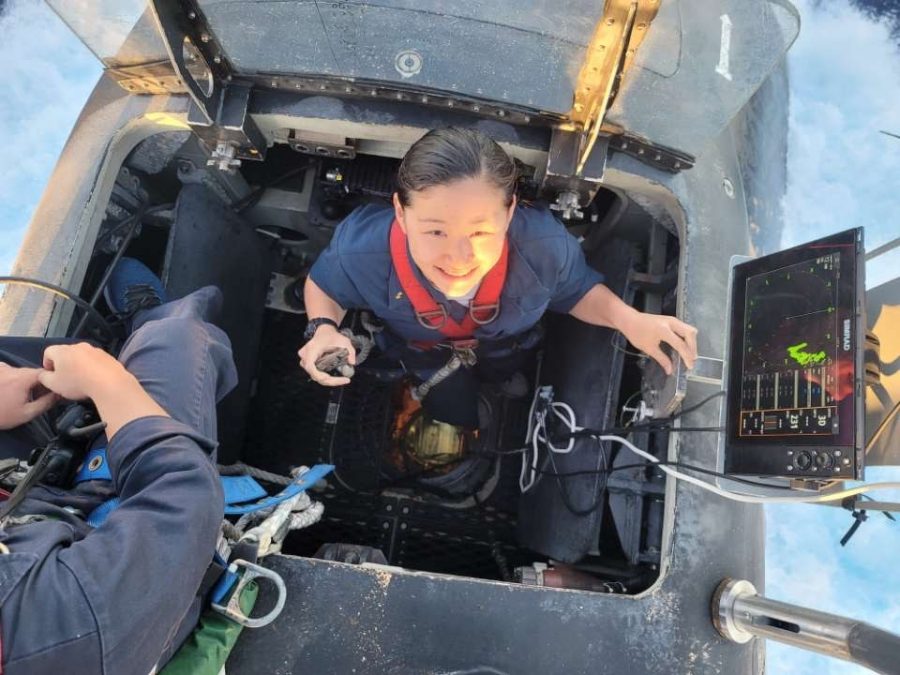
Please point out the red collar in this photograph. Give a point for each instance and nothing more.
(483, 308)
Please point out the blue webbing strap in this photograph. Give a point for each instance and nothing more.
(226, 582)
(101, 513)
(238, 489)
(309, 479)
(229, 578)
(94, 467)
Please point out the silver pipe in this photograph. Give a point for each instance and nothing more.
(740, 614)
(884, 248)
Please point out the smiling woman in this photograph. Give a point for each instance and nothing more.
(468, 270)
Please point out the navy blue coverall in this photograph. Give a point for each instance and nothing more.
(546, 271)
(119, 599)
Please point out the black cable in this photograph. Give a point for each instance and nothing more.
(697, 406)
(43, 285)
(649, 465)
(601, 492)
(125, 222)
(250, 200)
(619, 431)
(655, 426)
(663, 423)
(134, 222)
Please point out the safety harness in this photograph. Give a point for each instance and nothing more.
(265, 520)
(459, 336)
(227, 575)
(483, 308)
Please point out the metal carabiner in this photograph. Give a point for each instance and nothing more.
(233, 608)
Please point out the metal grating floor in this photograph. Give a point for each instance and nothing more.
(295, 421)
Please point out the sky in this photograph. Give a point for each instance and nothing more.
(841, 173)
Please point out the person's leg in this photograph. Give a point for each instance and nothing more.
(181, 359)
(455, 400)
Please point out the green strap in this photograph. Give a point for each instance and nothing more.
(208, 647)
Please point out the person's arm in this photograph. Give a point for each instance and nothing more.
(327, 338)
(120, 593)
(123, 590)
(321, 305)
(22, 398)
(601, 307)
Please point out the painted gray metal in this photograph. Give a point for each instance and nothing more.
(343, 619)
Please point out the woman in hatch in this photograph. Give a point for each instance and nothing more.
(457, 259)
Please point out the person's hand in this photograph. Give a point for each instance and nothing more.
(326, 339)
(22, 397)
(81, 371)
(648, 331)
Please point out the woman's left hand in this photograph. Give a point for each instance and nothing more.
(648, 331)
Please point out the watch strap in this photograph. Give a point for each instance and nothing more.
(314, 324)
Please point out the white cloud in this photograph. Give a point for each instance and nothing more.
(845, 86)
(842, 172)
(46, 77)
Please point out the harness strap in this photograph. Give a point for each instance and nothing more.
(483, 308)
(94, 467)
(239, 490)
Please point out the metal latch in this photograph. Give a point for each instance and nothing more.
(232, 609)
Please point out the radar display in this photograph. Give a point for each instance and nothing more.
(791, 350)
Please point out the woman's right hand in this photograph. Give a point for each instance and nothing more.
(326, 339)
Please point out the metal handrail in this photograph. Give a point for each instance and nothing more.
(740, 614)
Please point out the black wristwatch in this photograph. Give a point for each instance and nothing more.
(314, 324)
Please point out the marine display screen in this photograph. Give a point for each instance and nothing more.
(795, 362)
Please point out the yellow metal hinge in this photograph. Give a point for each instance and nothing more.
(611, 51)
(149, 78)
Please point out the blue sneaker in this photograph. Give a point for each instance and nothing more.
(132, 287)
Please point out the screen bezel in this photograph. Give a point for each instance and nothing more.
(768, 455)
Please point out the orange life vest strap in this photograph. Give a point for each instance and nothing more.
(483, 308)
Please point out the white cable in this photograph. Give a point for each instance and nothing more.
(537, 433)
(530, 438)
(752, 499)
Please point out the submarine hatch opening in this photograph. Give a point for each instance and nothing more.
(256, 232)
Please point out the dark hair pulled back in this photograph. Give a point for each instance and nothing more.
(446, 155)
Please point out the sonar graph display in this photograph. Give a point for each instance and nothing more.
(791, 350)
